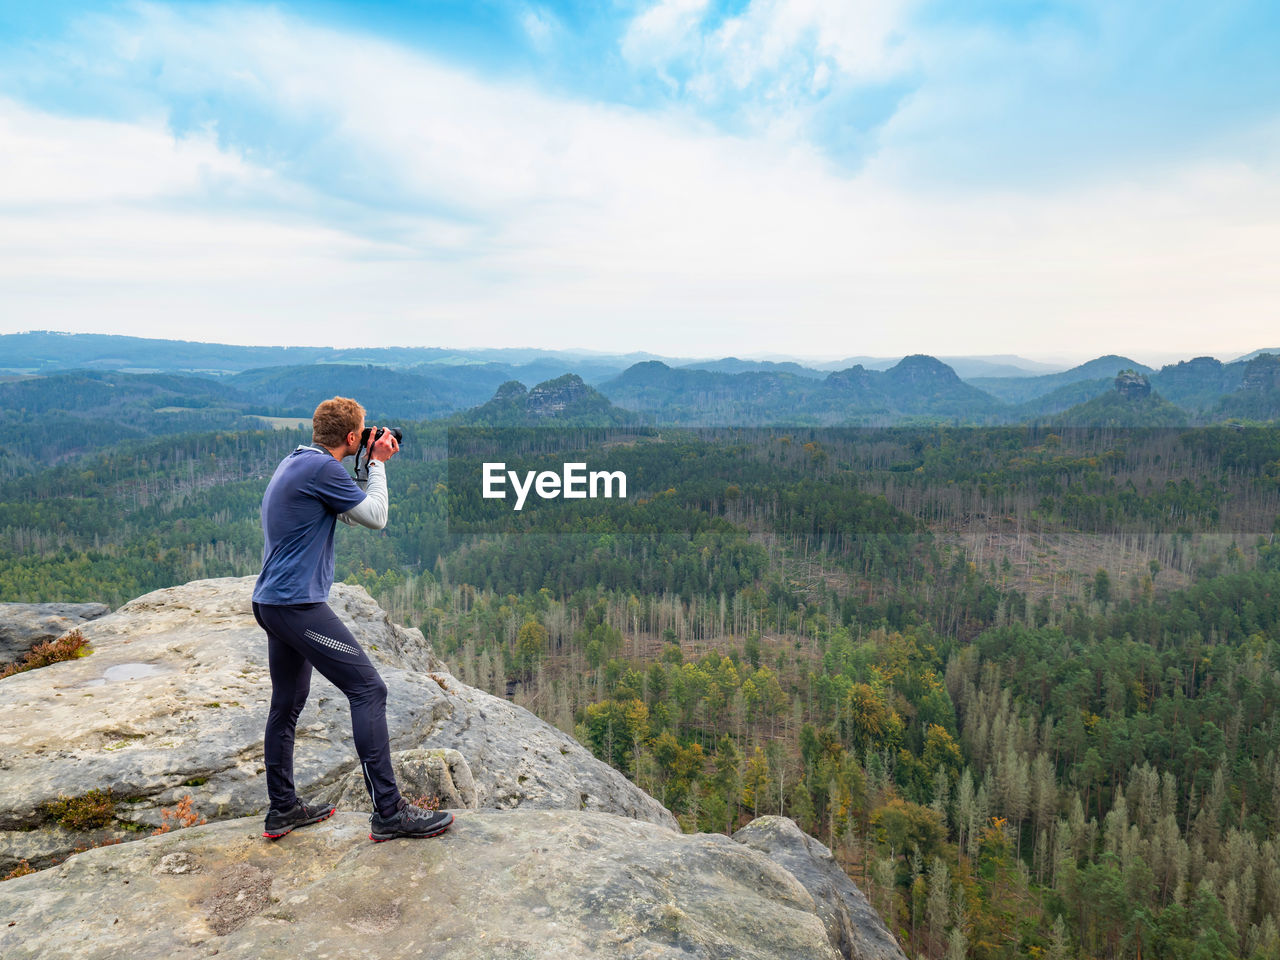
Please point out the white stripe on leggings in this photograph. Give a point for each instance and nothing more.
(373, 793)
(331, 643)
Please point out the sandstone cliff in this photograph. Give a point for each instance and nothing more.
(553, 854)
(173, 698)
(501, 885)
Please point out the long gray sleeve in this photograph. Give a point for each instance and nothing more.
(371, 512)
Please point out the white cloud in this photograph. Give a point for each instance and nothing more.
(790, 47)
(47, 159)
(475, 212)
(540, 25)
(665, 31)
(859, 38)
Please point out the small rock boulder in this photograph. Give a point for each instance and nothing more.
(440, 775)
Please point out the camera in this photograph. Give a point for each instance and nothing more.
(395, 432)
(362, 455)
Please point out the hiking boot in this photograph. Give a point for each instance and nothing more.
(280, 822)
(408, 821)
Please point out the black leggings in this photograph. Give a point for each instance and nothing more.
(309, 634)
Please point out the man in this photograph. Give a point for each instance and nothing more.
(309, 491)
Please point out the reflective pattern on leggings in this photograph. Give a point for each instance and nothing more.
(306, 635)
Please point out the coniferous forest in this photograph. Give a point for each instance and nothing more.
(1023, 681)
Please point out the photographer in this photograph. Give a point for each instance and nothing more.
(308, 493)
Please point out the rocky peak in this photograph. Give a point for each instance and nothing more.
(554, 396)
(1132, 385)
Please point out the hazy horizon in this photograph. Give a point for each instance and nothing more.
(1154, 359)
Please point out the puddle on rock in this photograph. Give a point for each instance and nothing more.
(127, 671)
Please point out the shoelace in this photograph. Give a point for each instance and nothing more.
(410, 813)
(417, 813)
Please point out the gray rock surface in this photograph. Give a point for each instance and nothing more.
(1132, 385)
(854, 929)
(23, 625)
(422, 774)
(499, 885)
(173, 698)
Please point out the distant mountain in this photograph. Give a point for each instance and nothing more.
(487, 375)
(968, 367)
(1204, 388)
(110, 393)
(1200, 383)
(1065, 397)
(66, 413)
(477, 379)
(414, 383)
(1024, 389)
(1130, 403)
(383, 392)
(734, 365)
(916, 386)
(923, 384)
(1275, 351)
(1258, 396)
(564, 401)
(867, 363)
(46, 352)
(1005, 365)
(684, 396)
(537, 371)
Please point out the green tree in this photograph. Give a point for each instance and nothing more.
(531, 646)
(1102, 587)
(616, 731)
(679, 766)
(907, 827)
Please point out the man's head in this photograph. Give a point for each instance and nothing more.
(338, 422)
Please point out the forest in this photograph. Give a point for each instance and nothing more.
(1023, 681)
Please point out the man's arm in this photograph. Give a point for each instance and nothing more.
(371, 512)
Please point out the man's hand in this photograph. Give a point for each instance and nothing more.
(385, 448)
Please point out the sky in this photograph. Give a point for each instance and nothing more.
(815, 179)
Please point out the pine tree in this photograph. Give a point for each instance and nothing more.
(884, 878)
(966, 808)
(1059, 947)
(938, 904)
(1044, 791)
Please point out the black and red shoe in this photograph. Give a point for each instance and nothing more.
(408, 821)
(280, 822)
